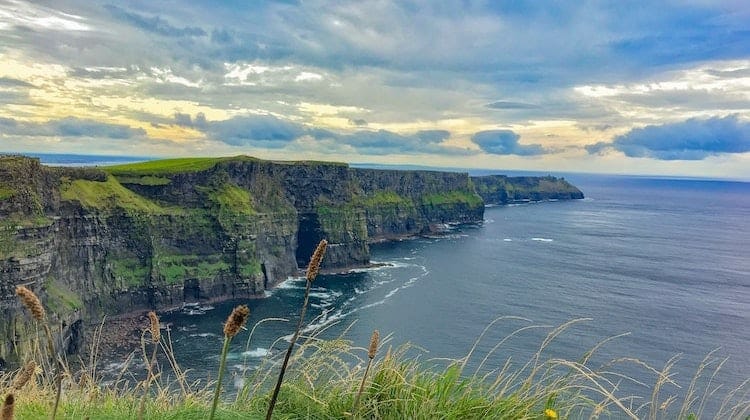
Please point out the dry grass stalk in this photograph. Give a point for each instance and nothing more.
(24, 375)
(374, 340)
(236, 320)
(371, 351)
(31, 302)
(317, 258)
(312, 273)
(234, 324)
(8, 406)
(155, 332)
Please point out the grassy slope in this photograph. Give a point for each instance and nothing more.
(109, 195)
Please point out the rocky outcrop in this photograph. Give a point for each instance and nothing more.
(92, 242)
(501, 189)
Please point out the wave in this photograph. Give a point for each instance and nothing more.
(203, 335)
(507, 240)
(256, 353)
(542, 239)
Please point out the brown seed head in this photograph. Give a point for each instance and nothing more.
(24, 375)
(7, 413)
(31, 302)
(236, 320)
(315, 260)
(373, 344)
(155, 332)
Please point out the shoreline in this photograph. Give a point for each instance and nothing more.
(124, 330)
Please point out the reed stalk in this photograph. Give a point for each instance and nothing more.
(372, 350)
(155, 337)
(31, 301)
(232, 327)
(312, 272)
(8, 407)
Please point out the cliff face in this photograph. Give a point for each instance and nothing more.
(91, 242)
(501, 189)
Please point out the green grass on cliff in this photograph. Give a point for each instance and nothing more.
(172, 166)
(384, 198)
(6, 192)
(108, 195)
(469, 198)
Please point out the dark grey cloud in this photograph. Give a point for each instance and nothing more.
(357, 121)
(255, 130)
(183, 120)
(153, 24)
(14, 83)
(694, 139)
(69, 127)
(272, 132)
(505, 142)
(510, 105)
(433, 136)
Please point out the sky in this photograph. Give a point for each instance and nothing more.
(639, 87)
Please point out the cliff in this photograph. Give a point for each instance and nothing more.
(96, 241)
(501, 189)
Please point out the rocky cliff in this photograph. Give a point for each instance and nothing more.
(96, 241)
(501, 189)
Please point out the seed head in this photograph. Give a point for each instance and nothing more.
(24, 375)
(317, 258)
(236, 320)
(31, 302)
(155, 332)
(7, 413)
(373, 344)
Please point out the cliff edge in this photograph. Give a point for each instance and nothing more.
(96, 241)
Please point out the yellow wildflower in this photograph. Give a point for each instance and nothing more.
(550, 414)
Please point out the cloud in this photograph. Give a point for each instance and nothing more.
(694, 139)
(505, 142)
(255, 130)
(69, 127)
(13, 83)
(433, 136)
(153, 24)
(272, 132)
(510, 105)
(183, 120)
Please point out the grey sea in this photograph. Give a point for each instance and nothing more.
(665, 261)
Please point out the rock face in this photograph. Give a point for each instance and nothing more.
(501, 189)
(93, 241)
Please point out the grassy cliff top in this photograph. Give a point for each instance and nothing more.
(196, 164)
(173, 166)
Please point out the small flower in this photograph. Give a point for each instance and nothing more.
(550, 414)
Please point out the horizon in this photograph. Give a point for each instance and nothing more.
(392, 166)
(599, 88)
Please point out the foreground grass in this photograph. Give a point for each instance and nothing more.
(324, 376)
(327, 379)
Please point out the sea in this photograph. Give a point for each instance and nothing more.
(659, 268)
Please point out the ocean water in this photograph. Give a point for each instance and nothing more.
(664, 261)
